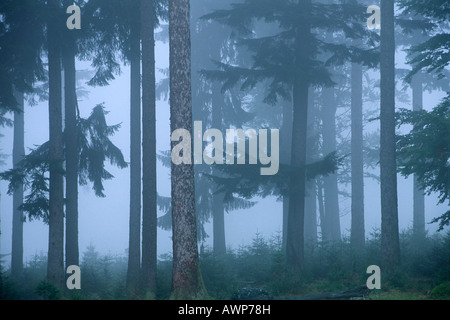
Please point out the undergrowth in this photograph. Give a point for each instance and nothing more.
(424, 272)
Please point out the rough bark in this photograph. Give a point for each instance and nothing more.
(187, 282)
(357, 236)
(18, 217)
(149, 206)
(297, 184)
(388, 170)
(71, 156)
(55, 265)
(330, 182)
(134, 240)
(418, 194)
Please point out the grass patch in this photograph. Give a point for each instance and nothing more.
(399, 295)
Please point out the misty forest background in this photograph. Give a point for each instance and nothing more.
(364, 119)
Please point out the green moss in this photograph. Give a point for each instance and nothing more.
(441, 291)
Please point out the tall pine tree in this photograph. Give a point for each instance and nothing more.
(55, 265)
(187, 281)
(288, 60)
(149, 213)
(388, 167)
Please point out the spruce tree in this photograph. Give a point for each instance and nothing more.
(288, 60)
(187, 281)
(149, 192)
(19, 70)
(388, 167)
(18, 217)
(55, 265)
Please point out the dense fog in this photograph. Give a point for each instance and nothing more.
(327, 89)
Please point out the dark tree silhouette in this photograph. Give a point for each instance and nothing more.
(149, 213)
(55, 266)
(388, 167)
(18, 217)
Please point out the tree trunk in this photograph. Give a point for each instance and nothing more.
(357, 237)
(219, 244)
(187, 281)
(310, 202)
(388, 170)
(323, 226)
(296, 217)
(285, 158)
(55, 265)
(134, 241)
(285, 220)
(311, 214)
(330, 182)
(149, 208)
(71, 156)
(18, 217)
(1, 266)
(418, 194)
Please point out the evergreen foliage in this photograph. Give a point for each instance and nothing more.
(425, 151)
(95, 149)
(432, 54)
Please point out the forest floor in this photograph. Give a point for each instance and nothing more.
(411, 289)
(400, 295)
(423, 275)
